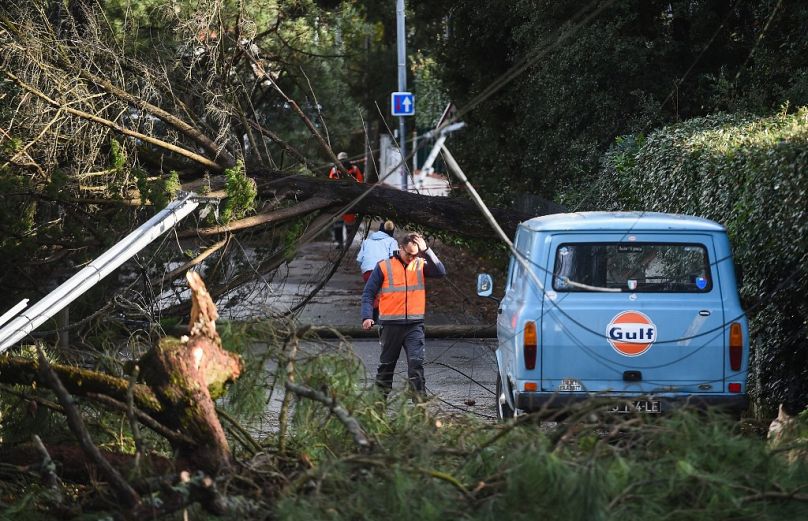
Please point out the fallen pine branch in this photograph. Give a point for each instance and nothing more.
(274, 217)
(350, 423)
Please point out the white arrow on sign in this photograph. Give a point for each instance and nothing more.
(406, 104)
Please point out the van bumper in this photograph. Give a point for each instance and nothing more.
(531, 402)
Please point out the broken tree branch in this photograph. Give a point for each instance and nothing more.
(294, 343)
(277, 216)
(350, 423)
(240, 432)
(126, 494)
(172, 436)
(49, 469)
(171, 275)
(78, 381)
(132, 417)
(187, 375)
(114, 126)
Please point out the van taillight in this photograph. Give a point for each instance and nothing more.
(530, 344)
(735, 346)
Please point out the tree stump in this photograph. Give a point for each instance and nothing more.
(187, 374)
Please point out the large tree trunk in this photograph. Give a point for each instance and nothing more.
(449, 214)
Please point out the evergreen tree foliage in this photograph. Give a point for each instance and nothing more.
(684, 466)
(636, 65)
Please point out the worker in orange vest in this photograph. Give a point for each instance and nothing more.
(349, 219)
(399, 281)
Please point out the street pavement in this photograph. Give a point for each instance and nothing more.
(460, 373)
(460, 376)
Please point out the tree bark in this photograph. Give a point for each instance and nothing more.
(78, 381)
(187, 374)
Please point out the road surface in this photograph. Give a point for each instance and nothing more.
(460, 376)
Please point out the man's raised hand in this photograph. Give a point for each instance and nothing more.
(421, 243)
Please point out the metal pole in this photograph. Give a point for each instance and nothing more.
(433, 154)
(520, 258)
(13, 312)
(401, 39)
(442, 135)
(85, 279)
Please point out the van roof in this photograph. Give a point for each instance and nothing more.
(620, 221)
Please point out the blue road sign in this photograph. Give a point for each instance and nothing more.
(402, 104)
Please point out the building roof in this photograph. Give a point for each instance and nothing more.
(621, 221)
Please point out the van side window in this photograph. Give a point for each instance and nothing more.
(522, 245)
(635, 267)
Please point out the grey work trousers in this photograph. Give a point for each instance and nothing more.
(393, 338)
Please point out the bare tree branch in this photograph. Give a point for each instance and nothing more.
(142, 417)
(49, 469)
(277, 216)
(126, 494)
(195, 134)
(112, 125)
(261, 72)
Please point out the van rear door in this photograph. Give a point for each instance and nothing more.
(632, 313)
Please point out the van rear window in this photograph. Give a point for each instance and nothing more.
(632, 267)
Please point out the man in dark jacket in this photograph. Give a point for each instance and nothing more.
(399, 281)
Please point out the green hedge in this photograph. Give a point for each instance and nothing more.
(750, 174)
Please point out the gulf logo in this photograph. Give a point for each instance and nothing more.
(631, 333)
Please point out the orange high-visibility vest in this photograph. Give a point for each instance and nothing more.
(403, 295)
(356, 174)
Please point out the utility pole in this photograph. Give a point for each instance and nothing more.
(21, 320)
(401, 39)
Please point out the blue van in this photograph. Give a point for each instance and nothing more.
(641, 308)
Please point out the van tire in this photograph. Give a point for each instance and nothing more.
(504, 411)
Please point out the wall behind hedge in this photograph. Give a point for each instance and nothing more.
(750, 174)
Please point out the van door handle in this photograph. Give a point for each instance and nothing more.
(499, 311)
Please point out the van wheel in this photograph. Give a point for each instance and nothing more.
(504, 411)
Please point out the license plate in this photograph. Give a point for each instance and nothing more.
(644, 406)
(570, 385)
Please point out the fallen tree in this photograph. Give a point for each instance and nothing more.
(454, 215)
(179, 379)
(171, 391)
(129, 131)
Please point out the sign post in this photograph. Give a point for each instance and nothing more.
(401, 47)
(402, 104)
